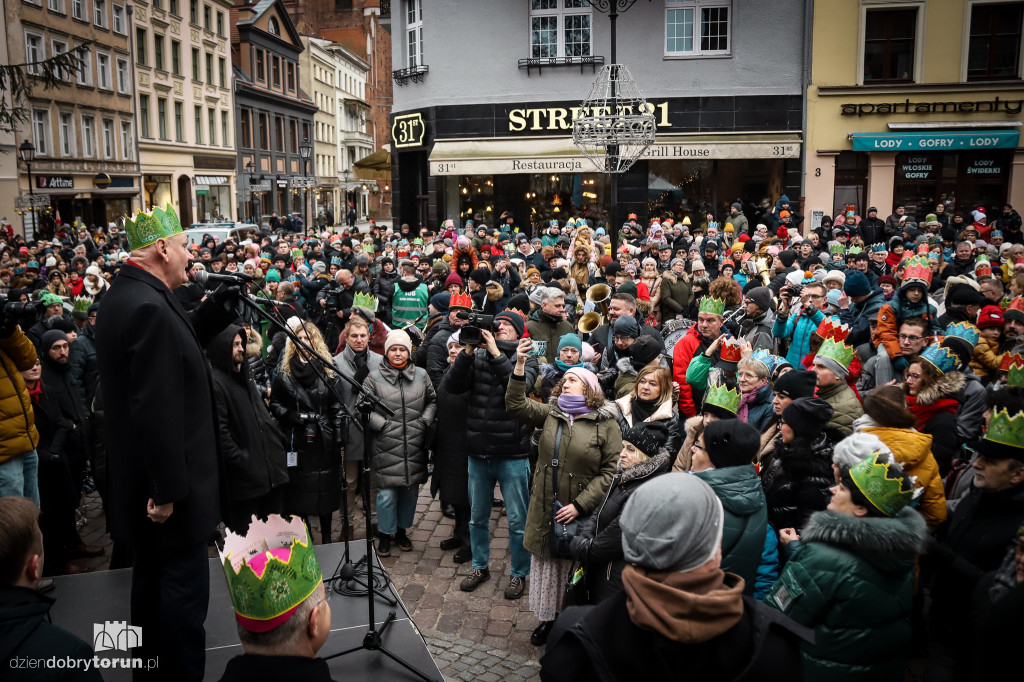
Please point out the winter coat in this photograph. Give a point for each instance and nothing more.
(692, 428)
(676, 295)
(859, 315)
(346, 364)
(599, 545)
(690, 345)
(970, 415)
(590, 447)
(315, 484)
(491, 432)
(935, 408)
(986, 358)
(400, 441)
(546, 332)
(798, 330)
(914, 451)
(746, 519)
(761, 410)
(437, 350)
(18, 434)
(82, 361)
(451, 456)
(664, 413)
(251, 443)
(796, 477)
(852, 580)
(383, 287)
(846, 405)
(409, 303)
(758, 331)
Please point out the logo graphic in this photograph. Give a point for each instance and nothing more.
(114, 634)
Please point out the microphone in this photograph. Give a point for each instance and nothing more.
(208, 279)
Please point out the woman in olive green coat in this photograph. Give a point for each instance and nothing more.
(588, 452)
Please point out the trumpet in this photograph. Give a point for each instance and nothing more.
(599, 295)
(763, 267)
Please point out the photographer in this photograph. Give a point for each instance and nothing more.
(19, 463)
(334, 301)
(797, 321)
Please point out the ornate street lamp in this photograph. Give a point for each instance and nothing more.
(305, 150)
(27, 152)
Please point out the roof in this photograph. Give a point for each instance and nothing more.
(260, 8)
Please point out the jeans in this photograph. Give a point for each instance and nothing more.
(513, 476)
(19, 477)
(396, 508)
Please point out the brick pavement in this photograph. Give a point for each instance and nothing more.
(472, 635)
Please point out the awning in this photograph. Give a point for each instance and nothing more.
(376, 166)
(935, 141)
(545, 155)
(211, 180)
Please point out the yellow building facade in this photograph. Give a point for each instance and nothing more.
(917, 103)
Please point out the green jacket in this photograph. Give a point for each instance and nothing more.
(409, 305)
(676, 294)
(846, 405)
(852, 580)
(746, 519)
(544, 331)
(697, 372)
(589, 452)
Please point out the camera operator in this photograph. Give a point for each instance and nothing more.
(799, 316)
(335, 300)
(19, 463)
(51, 306)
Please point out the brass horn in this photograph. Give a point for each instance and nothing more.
(599, 295)
(763, 265)
(589, 322)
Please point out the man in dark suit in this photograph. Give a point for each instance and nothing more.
(161, 439)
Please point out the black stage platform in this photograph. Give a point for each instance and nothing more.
(90, 598)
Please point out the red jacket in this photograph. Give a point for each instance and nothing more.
(681, 356)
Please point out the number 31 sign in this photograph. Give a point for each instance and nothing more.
(408, 130)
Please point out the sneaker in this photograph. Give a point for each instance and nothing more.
(403, 541)
(479, 576)
(463, 555)
(514, 589)
(384, 545)
(451, 543)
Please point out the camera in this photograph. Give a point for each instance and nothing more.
(472, 333)
(332, 299)
(794, 290)
(309, 418)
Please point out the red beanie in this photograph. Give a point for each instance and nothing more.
(990, 316)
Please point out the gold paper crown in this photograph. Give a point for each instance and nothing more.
(147, 227)
(714, 306)
(723, 397)
(838, 351)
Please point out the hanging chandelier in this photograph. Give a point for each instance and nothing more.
(616, 125)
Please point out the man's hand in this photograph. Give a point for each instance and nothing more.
(227, 296)
(844, 301)
(714, 345)
(158, 513)
(523, 354)
(489, 343)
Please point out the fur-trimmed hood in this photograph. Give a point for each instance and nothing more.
(669, 276)
(946, 387)
(888, 543)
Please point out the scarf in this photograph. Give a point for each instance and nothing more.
(924, 412)
(745, 400)
(301, 371)
(642, 409)
(689, 608)
(564, 367)
(573, 405)
(362, 370)
(35, 393)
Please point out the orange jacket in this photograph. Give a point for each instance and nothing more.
(18, 433)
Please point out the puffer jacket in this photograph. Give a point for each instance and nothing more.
(676, 295)
(18, 434)
(852, 580)
(914, 451)
(798, 330)
(546, 332)
(590, 448)
(761, 410)
(746, 520)
(664, 413)
(383, 287)
(796, 477)
(400, 441)
(936, 410)
(846, 405)
(437, 350)
(599, 545)
(490, 429)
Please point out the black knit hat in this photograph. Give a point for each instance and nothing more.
(644, 350)
(730, 443)
(648, 437)
(808, 416)
(513, 317)
(795, 384)
(480, 276)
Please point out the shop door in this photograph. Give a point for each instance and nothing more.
(185, 213)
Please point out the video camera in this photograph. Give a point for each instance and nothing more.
(332, 299)
(472, 333)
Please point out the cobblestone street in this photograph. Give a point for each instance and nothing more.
(471, 635)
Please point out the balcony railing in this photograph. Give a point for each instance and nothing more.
(416, 74)
(530, 63)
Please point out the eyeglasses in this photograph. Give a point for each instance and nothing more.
(747, 375)
(908, 337)
(909, 376)
(699, 447)
(816, 296)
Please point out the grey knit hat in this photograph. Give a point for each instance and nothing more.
(672, 523)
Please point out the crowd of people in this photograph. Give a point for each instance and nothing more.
(708, 439)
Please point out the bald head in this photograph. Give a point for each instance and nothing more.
(344, 278)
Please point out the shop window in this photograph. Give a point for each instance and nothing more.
(994, 49)
(413, 33)
(889, 37)
(697, 27)
(560, 28)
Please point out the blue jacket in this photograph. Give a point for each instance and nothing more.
(798, 329)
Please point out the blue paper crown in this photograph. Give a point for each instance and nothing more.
(879, 247)
(964, 330)
(941, 358)
(765, 358)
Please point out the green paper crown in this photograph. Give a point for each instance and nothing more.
(887, 495)
(1015, 376)
(714, 306)
(837, 248)
(1006, 430)
(282, 585)
(145, 228)
(721, 396)
(840, 352)
(82, 303)
(365, 301)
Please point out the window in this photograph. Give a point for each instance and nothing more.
(119, 23)
(195, 64)
(293, 136)
(88, 137)
(158, 4)
(222, 72)
(211, 119)
(206, 17)
(209, 68)
(246, 123)
(56, 6)
(199, 125)
(161, 118)
(176, 57)
(41, 131)
(279, 133)
(560, 28)
(158, 51)
(108, 138)
(67, 134)
(273, 26)
(261, 67)
(414, 32)
(141, 47)
(99, 10)
(174, 7)
(696, 27)
(34, 53)
(994, 49)
(220, 24)
(144, 116)
(104, 81)
(127, 143)
(224, 139)
(123, 84)
(84, 73)
(264, 132)
(193, 12)
(179, 122)
(889, 45)
(78, 9)
(58, 47)
(275, 71)
(291, 77)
